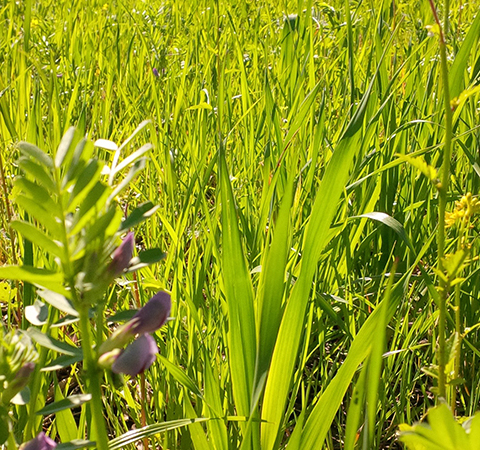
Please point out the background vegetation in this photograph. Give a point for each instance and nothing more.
(279, 129)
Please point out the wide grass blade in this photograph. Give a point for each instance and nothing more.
(239, 296)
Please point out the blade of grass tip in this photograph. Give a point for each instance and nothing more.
(239, 296)
(457, 71)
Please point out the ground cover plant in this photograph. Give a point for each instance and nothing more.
(295, 176)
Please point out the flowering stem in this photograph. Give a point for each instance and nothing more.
(93, 382)
(442, 201)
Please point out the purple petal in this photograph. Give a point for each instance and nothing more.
(41, 442)
(137, 357)
(153, 315)
(122, 255)
(155, 72)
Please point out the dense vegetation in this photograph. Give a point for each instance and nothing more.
(295, 156)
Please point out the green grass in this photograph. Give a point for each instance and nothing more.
(272, 138)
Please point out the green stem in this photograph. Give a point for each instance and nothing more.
(94, 386)
(12, 444)
(442, 200)
(458, 323)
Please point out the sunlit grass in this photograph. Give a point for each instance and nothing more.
(251, 109)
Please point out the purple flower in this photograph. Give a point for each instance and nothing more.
(137, 357)
(147, 320)
(155, 72)
(41, 442)
(122, 256)
(153, 315)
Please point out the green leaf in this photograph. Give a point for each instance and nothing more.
(37, 237)
(239, 295)
(138, 215)
(146, 258)
(137, 167)
(69, 402)
(58, 301)
(40, 277)
(61, 362)
(442, 432)
(87, 209)
(39, 213)
(271, 287)
(37, 193)
(65, 146)
(456, 74)
(133, 157)
(390, 222)
(77, 164)
(87, 178)
(32, 150)
(288, 341)
(48, 342)
(66, 425)
(38, 172)
(181, 376)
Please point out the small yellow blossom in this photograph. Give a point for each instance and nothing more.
(464, 210)
(105, 7)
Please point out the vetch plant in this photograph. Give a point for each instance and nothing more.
(77, 226)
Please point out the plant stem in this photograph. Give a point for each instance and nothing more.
(12, 236)
(442, 201)
(93, 383)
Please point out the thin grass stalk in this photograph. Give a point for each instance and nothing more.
(458, 324)
(442, 200)
(18, 313)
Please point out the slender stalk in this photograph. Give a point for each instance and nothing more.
(94, 387)
(458, 323)
(12, 444)
(8, 213)
(90, 366)
(442, 201)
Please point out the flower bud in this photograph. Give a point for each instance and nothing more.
(41, 442)
(122, 256)
(137, 357)
(153, 315)
(146, 320)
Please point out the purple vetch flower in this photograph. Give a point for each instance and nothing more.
(153, 315)
(155, 72)
(41, 442)
(146, 320)
(122, 255)
(137, 357)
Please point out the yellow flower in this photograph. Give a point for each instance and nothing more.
(464, 210)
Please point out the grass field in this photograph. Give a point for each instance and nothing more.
(286, 138)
